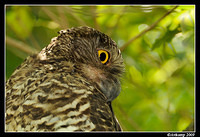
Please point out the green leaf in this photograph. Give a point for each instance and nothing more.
(167, 37)
(20, 21)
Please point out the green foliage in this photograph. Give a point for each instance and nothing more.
(158, 85)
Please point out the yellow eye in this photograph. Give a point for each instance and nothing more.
(103, 56)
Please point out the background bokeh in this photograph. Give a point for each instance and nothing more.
(158, 91)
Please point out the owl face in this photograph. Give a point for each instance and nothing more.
(94, 55)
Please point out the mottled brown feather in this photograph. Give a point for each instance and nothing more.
(53, 90)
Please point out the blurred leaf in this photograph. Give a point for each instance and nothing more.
(18, 17)
(167, 37)
(16, 61)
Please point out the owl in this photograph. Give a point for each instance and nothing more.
(68, 86)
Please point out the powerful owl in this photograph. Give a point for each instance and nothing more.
(68, 86)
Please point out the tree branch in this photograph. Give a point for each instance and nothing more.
(19, 45)
(147, 29)
(94, 16)
(51, 15)
(76, 17)
(63, 21)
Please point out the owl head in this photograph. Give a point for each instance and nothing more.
(94, 55)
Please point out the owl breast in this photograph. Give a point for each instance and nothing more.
(50, 99)
(68, 86)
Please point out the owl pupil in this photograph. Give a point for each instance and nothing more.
(102, 56)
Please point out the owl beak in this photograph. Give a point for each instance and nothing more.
(109, 88)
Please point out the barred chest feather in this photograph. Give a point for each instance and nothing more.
(41, 97)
